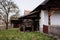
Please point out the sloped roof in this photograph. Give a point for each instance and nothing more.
(46, 5)
(33, 14)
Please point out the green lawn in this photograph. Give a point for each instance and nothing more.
(14, 34)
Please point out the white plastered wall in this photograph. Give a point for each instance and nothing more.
(41, 21)
(55, 19)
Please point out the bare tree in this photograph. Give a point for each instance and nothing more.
(7, 7)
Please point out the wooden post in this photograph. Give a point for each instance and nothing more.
(49, 14)
(49, 20)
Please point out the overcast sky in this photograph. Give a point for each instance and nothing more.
(27, 5)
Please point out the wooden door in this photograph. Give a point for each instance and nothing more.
(45, 28)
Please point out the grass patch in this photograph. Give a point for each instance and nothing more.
(14, 34)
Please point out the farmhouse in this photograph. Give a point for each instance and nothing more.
(45, 17)
(50, 13)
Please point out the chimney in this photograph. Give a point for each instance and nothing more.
(26, 12)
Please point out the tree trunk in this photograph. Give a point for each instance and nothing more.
(6, 26)
(7, 22)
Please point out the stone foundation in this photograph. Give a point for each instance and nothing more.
(54, 29)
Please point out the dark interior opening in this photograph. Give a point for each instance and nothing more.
(15, 23)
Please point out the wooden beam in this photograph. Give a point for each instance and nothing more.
(55, 8)
(49, 16)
